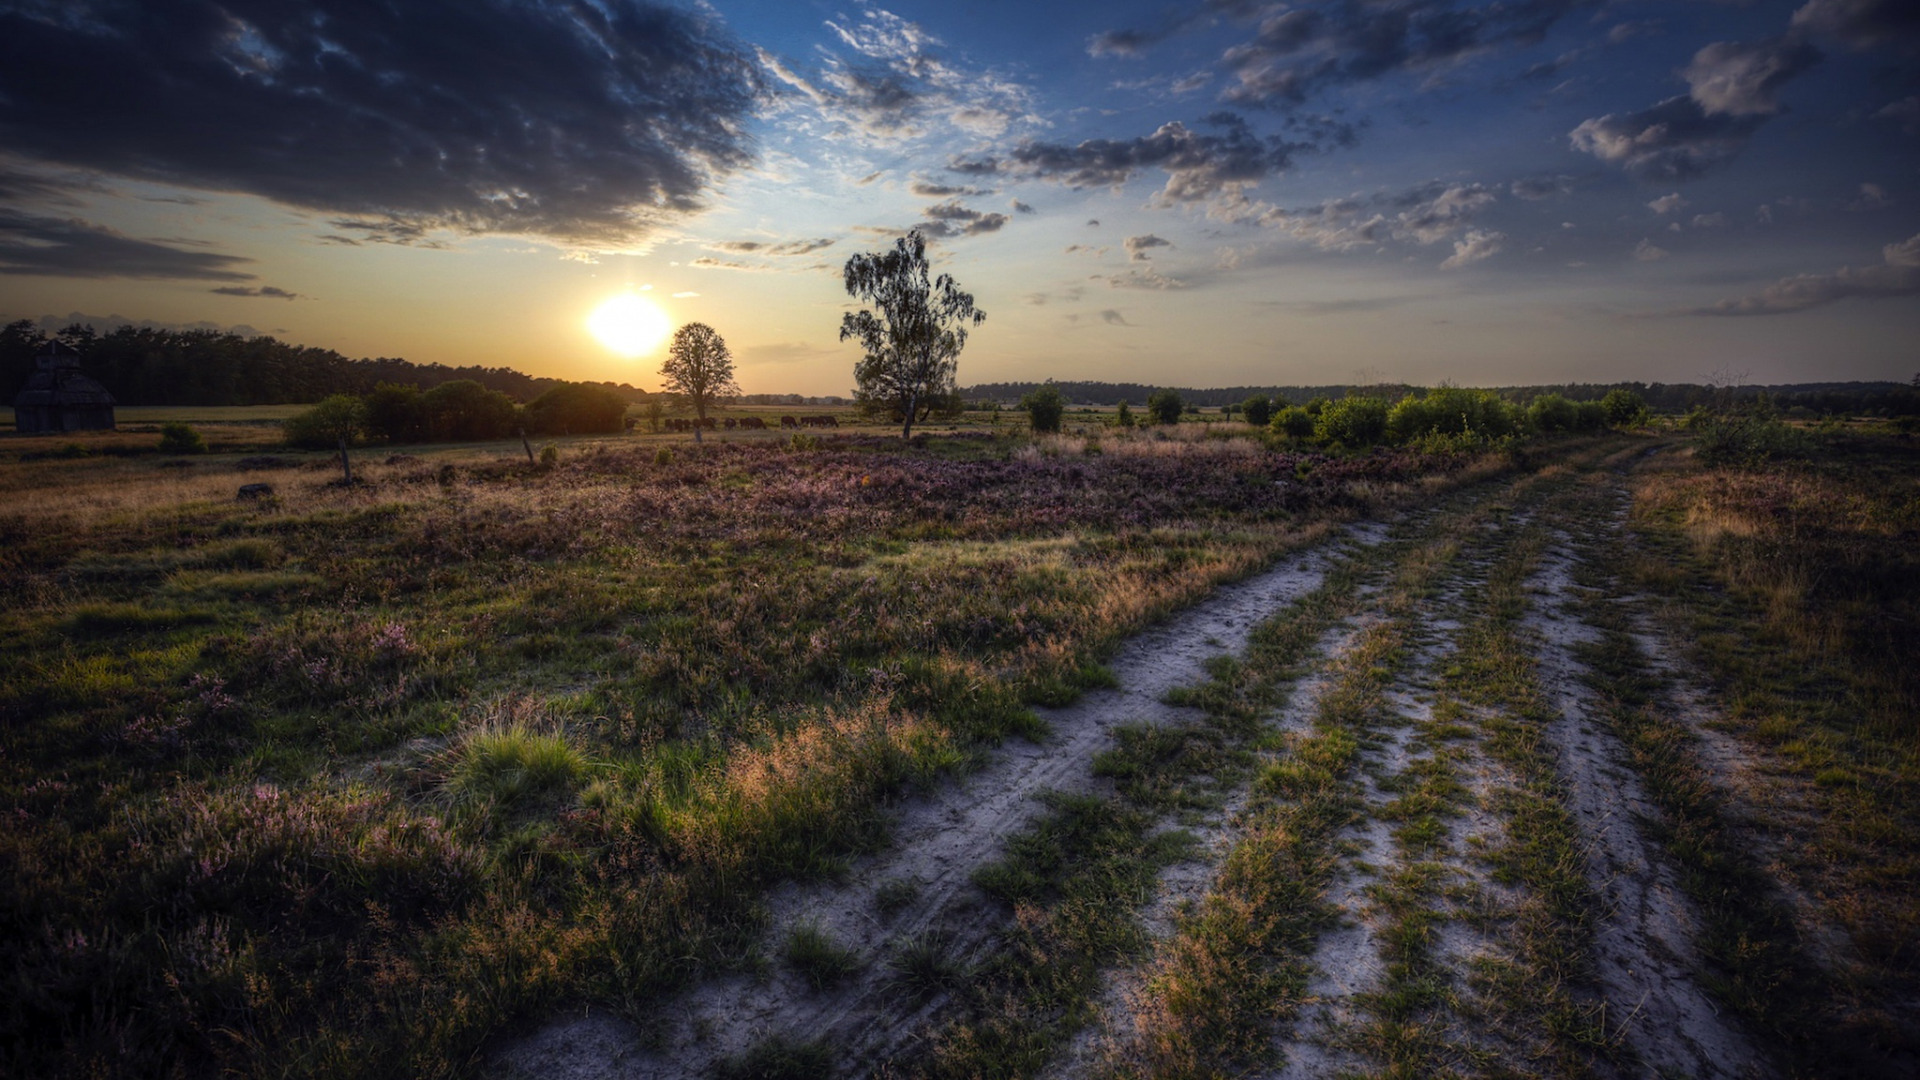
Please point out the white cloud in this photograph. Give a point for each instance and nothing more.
(1478, 244)
(1897, 276)
(1645, 251)
(1667, 204)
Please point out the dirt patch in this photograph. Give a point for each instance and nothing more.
(920, 892)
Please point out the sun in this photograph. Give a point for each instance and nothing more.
(629, 324)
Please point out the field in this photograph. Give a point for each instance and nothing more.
(1159, 753)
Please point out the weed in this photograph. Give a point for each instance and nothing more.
(817, 958)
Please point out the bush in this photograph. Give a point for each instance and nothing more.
(1123, 416)
(180, 438)
(394, 413)
(1258, 410)
(465, 411)
(1352, 422)
(1624, 409)
(341, 416)
(1165, 407)
(1749, 440)
(1293, 422)
(577, 409)
(1044, 407)
(1453, 417)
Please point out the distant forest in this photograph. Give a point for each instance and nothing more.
(1851, 398)
(207, 367)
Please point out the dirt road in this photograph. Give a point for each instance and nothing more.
(1414, 846)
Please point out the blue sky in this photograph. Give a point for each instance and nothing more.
(1207, 193)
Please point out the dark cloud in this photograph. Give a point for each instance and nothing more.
(268, 292)
(1898, 275)
(1199, 165)
(952, 219)
(579, 121)
(1138, 246)
(1114, 318)
(1674, 140)
(68, 247)
(1535, 188)
(768, 247)
(1298, 51)
(1019, 207)
(1862, 24)
(927, 189)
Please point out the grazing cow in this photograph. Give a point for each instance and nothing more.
(829, 420)
(730, 423)
(708, 423)
(753, 423)
(789, 422)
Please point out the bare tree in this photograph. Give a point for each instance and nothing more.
(913, 342)
(699, 367)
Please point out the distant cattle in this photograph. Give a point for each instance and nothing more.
(730, 423)
(753, 423)
(820, 420)
(789, 422)
(708, 423)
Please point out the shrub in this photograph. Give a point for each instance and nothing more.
(1624, 409)
(1749, 441)
(1551, 413)
(577, 409)
(180, 438)
(1293, 422)
(1452, 417)
(1352, 422)
(1165, 406)
(394, 413)
(1123, 416)
(1044, 407)
(465, 411)
(341, 416)
(1257, 410)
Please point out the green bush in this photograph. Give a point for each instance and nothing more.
(1352, 422)
(577, 409)
(1165, 407)
(341, 416)
(1749, 440)
(394, 413)
(1044, 407)
(1449, 417)
(1123, 416)
(1624, 409)
(1293, 422)
(1257, 410)
(180, 438)
(465, 411)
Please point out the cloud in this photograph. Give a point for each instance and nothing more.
(1674, 140)
(1535, 188)
(1200, 166)
(1862, 24)
(708, 262)
(1434, 212)
(892, 83)
(952, 219)
(1898, 275)
(685, 295)
(580, 122)
(69, 247)
(1906, 111)
(1114, 318)
(766, 247)
(1140, 277)
(1733, 78)
(1667, 204)
(1645, 251)
(1477, 245)
(1137, 246)
(1019, 207)
(927, 189)
(1714, 220)
(264, 291)
(1295, 52)
(1872, 197)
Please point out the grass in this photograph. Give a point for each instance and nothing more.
(817, 958)
(336, 783)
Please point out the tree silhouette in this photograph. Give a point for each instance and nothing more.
(699, 367)
(913, 342)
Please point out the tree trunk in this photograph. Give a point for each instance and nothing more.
(699, 418)
(346, 466)
(913, 406)
(525, 445)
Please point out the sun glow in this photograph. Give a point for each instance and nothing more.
(630, 325)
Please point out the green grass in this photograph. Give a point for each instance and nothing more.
(817, 958)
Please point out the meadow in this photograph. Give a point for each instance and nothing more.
(380, 779)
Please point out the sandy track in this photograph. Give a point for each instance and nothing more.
(1643, 945)
(938, 844)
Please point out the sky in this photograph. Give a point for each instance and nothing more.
(1201, 193)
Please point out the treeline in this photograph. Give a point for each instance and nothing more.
(207, 367)
(459, 410)
(1797, 399)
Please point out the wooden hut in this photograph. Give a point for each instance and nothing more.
(58, 398)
